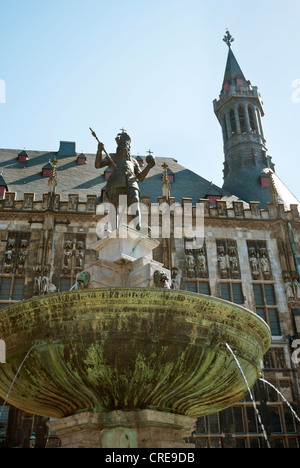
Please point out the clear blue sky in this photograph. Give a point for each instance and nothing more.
(152, 67)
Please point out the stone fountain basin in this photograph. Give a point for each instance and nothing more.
(129, 349)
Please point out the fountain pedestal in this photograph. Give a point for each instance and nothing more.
(119, 429)
(125, 260)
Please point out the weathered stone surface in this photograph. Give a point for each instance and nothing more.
(130, 349)
(119, 429)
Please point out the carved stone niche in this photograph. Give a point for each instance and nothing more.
(221, 207)
(72, 202)
(68, 255)
(201, 259)
(9, 200)
(16, 252)
(190, 264)
(228, 260)
(91, 203)
(28, 201)
(259, 260)
(80, 252)
(234, 264)
(222, 259)
(292, 288)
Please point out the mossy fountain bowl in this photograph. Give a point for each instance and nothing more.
(103, 350)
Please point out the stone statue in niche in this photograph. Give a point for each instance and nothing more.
(222, 262)
(289, 290)
(190, 263)
(201, 263)
(265, 264)
(176, 278)
(42, 281)
(254, 263)
(79, 259)
(80, 255)
(296, 287)
(234, 263)
(68, 256)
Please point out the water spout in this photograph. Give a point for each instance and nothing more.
(251, 396)
(282, 396)
(15, 378)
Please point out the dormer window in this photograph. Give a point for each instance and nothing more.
(240, 82)
(47, 170)
(265, 181)
(3, 188)
(171, 176)
(226, 86)
(81, 159)
(140, 161)
(213, 200)
(23, 156)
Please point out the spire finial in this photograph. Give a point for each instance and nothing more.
(228, 39)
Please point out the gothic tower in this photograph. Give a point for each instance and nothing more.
(239, 110)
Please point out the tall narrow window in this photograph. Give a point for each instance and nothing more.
(252, 119)
(233, 122)
(242, 119)
(265, 298)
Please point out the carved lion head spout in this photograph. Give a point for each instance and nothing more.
(83, 280)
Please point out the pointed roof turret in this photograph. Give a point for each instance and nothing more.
(233, 71)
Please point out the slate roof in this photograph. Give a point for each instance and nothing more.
(73, 178)
(233, 70)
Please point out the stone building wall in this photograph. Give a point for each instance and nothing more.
(45, 243)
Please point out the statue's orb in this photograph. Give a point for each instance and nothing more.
(129, 349)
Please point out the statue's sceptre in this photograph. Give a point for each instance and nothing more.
(108, 155)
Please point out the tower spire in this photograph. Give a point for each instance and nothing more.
(239, 110)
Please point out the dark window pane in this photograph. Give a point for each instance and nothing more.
(238, 420)
(258, 295)
(237, 293)
(225, 291)
(65, 284)
(201, 426)
(252, 421)
(270, 294)
(289, 421)
(275, 420)
(191, 287)
(18, 290)
(5, 289)
(204, 288)
(274, 322)
(214, 424)
(261, 313)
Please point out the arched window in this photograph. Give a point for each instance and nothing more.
(259, 122)
(252, 119)
(232, 122)
(225, 129)
(242, 119)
